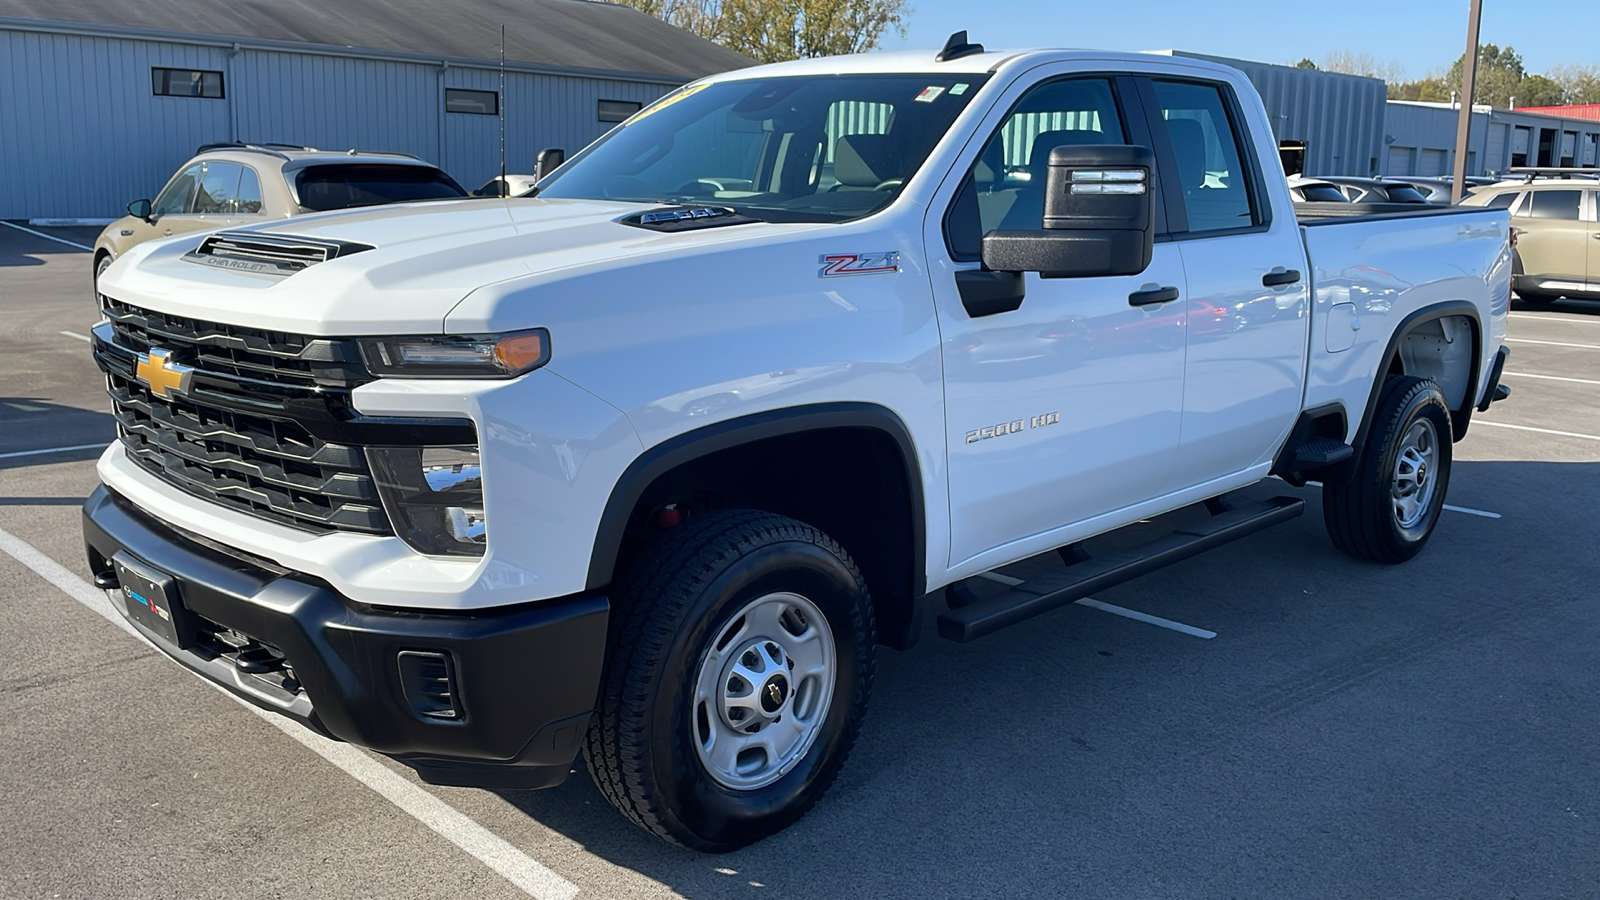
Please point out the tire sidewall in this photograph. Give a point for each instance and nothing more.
(722, 816)
(1425, 401)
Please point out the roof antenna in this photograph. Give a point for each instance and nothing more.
(504, 190)
(957, 47)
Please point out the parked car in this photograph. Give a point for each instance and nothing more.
(649, 467)
(1558, 235)
(507, 186)
(1314, 190)
(1375, 190)
(232, 185)
(1433, 190)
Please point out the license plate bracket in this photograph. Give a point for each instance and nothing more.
(151, 598)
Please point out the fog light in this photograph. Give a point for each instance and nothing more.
(434, 497)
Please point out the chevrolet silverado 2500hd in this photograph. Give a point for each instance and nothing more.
(649, 464)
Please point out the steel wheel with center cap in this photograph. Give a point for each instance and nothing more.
(1387, 508)
(741, 660)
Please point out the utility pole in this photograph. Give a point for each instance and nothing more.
(1469, 77)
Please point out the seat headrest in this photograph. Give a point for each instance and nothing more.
(866, 160)
(1189, 145)
(1039, 153)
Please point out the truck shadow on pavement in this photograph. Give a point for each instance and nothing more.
(30, 424)
(1314, 742)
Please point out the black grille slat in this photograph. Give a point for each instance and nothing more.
(231, 439)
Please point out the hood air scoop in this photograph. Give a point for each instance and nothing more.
(269, 254)
(687, 218)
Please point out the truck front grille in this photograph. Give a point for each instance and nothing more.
(237, 436)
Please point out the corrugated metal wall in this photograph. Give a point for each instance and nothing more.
(81, 133)
(1338, 117)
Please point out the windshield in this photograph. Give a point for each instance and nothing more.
(796, 149)
(344, 185)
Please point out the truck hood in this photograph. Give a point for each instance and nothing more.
(425, 259)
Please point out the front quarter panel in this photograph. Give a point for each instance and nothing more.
(711, 333)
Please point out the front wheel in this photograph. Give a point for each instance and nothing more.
(1387, 509)
(741, 660)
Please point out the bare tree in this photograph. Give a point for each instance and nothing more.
(777, 30)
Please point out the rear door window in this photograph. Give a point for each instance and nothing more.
(218, 193)
(1553, 205)
(249, 192)
(344, 186)
(1502, 200)
(1211, 174)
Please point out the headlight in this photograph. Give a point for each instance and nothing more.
(434, 497)
(458, 356)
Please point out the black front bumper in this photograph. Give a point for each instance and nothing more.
(524, 679)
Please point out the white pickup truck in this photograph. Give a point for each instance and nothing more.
(649, 465)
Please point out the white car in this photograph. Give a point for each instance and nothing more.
(648, 465)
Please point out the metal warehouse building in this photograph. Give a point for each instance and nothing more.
(101, 100)
(1326, 123)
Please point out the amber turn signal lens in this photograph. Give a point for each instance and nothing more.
(521, 352)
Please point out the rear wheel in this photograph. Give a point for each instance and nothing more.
(741, 660)
(1387, 509)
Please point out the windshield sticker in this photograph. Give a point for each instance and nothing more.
(837, 264)
(930, 93)
(667, 101)
(959, 89)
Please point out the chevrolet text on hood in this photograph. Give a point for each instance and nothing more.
(649, 462)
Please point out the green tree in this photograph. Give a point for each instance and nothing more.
(778, 30)
(1305, 63)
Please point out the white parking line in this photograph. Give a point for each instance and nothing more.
(1472, 512)
(1571, 434)
(1551, 378)
(1556, 319)
(15, 453)
(440, 817)
(74, 334)
(1114, 610)
(1147, 619)
(1460, 509)
(1003, 579)
(48, 237)
(1553, 343)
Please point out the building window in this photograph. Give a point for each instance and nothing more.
(186, 83)
(476, 103)
(617, 110)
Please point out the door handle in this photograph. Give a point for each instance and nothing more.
(1152, 295)
(1280, 276)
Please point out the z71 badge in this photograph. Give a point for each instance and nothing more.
(835, 264)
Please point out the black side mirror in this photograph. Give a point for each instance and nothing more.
(140, 209)
(549, 160)
(1098, 219)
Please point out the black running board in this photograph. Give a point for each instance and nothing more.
(971, 618)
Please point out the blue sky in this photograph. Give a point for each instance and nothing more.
(1420, 34)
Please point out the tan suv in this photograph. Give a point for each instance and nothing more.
(230, 185)
(1558, 236)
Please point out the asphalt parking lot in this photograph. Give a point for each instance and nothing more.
(1318, 727)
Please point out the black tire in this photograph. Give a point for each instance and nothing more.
(672, 603)
(1361, 513)
(100, 267)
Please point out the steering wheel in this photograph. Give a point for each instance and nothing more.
(696, 189)
(890, 184)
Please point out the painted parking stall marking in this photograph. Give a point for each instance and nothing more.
(531, 877)
(1135, 615)
(48, 237)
